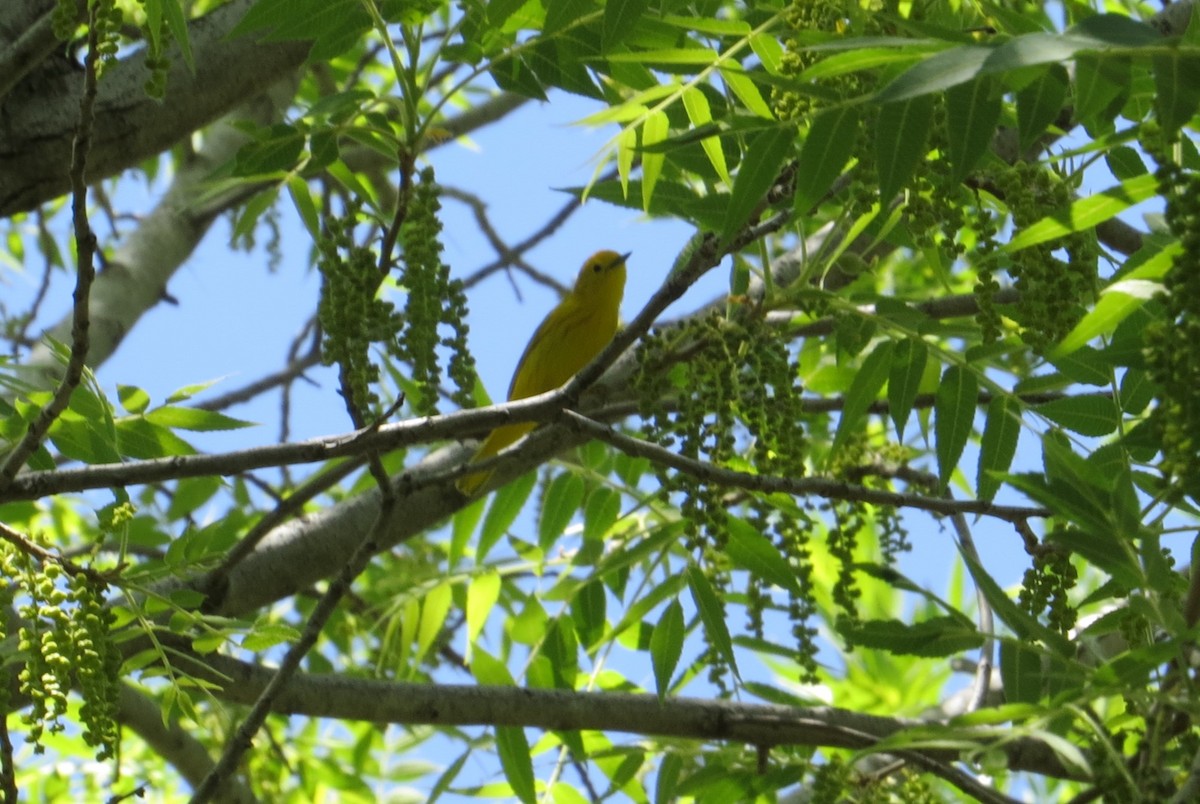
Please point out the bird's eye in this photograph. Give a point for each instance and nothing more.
(597, 267)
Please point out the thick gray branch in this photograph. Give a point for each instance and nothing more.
(39, 113)
(766, 725)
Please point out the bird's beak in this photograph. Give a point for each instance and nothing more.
(622, 259)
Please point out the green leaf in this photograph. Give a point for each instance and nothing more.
(935, 637)
(1177, 85)
(1040, 102)
(1104, 550)
(490, 671)
(712, 616)
(1099, 80)
(269, 635)
(753, 552)
(563, 498)
(1090, 414)
(561, 13)
(190, 494)
(133, 399)
(498, 11)
(515, 75)
(588, 610)
(1125, 163)
(600, 513)
(676, 56)
(666, 646)
(936, 73)
(654, 130)
(747, 92)
(1021, 672)
(869, 378)
(1137, 391)
(1100, 31)
(482, 594)
(954, 414)
(904, 380)
(620, 18)
(973, 110)
(461, 529)
(513, 749)
(708, 25)
(333, 25)
(188, 391)
(902, 132)
(195, 419)
(1085, 213)
(303, 201)
(857, 60)
(667, 784)
(506, 504)
(759, 169)
(172, 12)
(695, 103)
(826, 148)
(434, 609)
(1116, 303)
(141, 438)
(998, 445)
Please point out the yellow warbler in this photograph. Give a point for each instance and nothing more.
(575, 331)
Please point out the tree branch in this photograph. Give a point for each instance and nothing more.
(173, 743)
(85, 267)
(341, 697)
(803, 486)
(130, 126)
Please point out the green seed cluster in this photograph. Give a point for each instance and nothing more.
(829, 16)
(737, 381)
(936, 206)
(831, 780)
(732, 401)
(44, 638)
(986, 228)
(108, 21)
(351, 316)
(790, 535)
(8, 574)
(1171, 353)
(1046, 586)
(63, 20)
(156, 59)
(1054, 292)
(849, 520)
(97, 665)
(65, 639)
(435, 303)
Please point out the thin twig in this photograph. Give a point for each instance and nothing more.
(281, 513)
(983, 671)
(818, 486)
(32, 548)
(294, 370)
(85, 244)
(8, 774)
(242, 739)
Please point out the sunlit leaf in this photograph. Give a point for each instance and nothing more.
(666, 646)
(954, 415)
(760, 166)
(903, 130)
(827, 147)
(998, 445)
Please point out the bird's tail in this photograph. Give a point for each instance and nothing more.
(500, 438)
